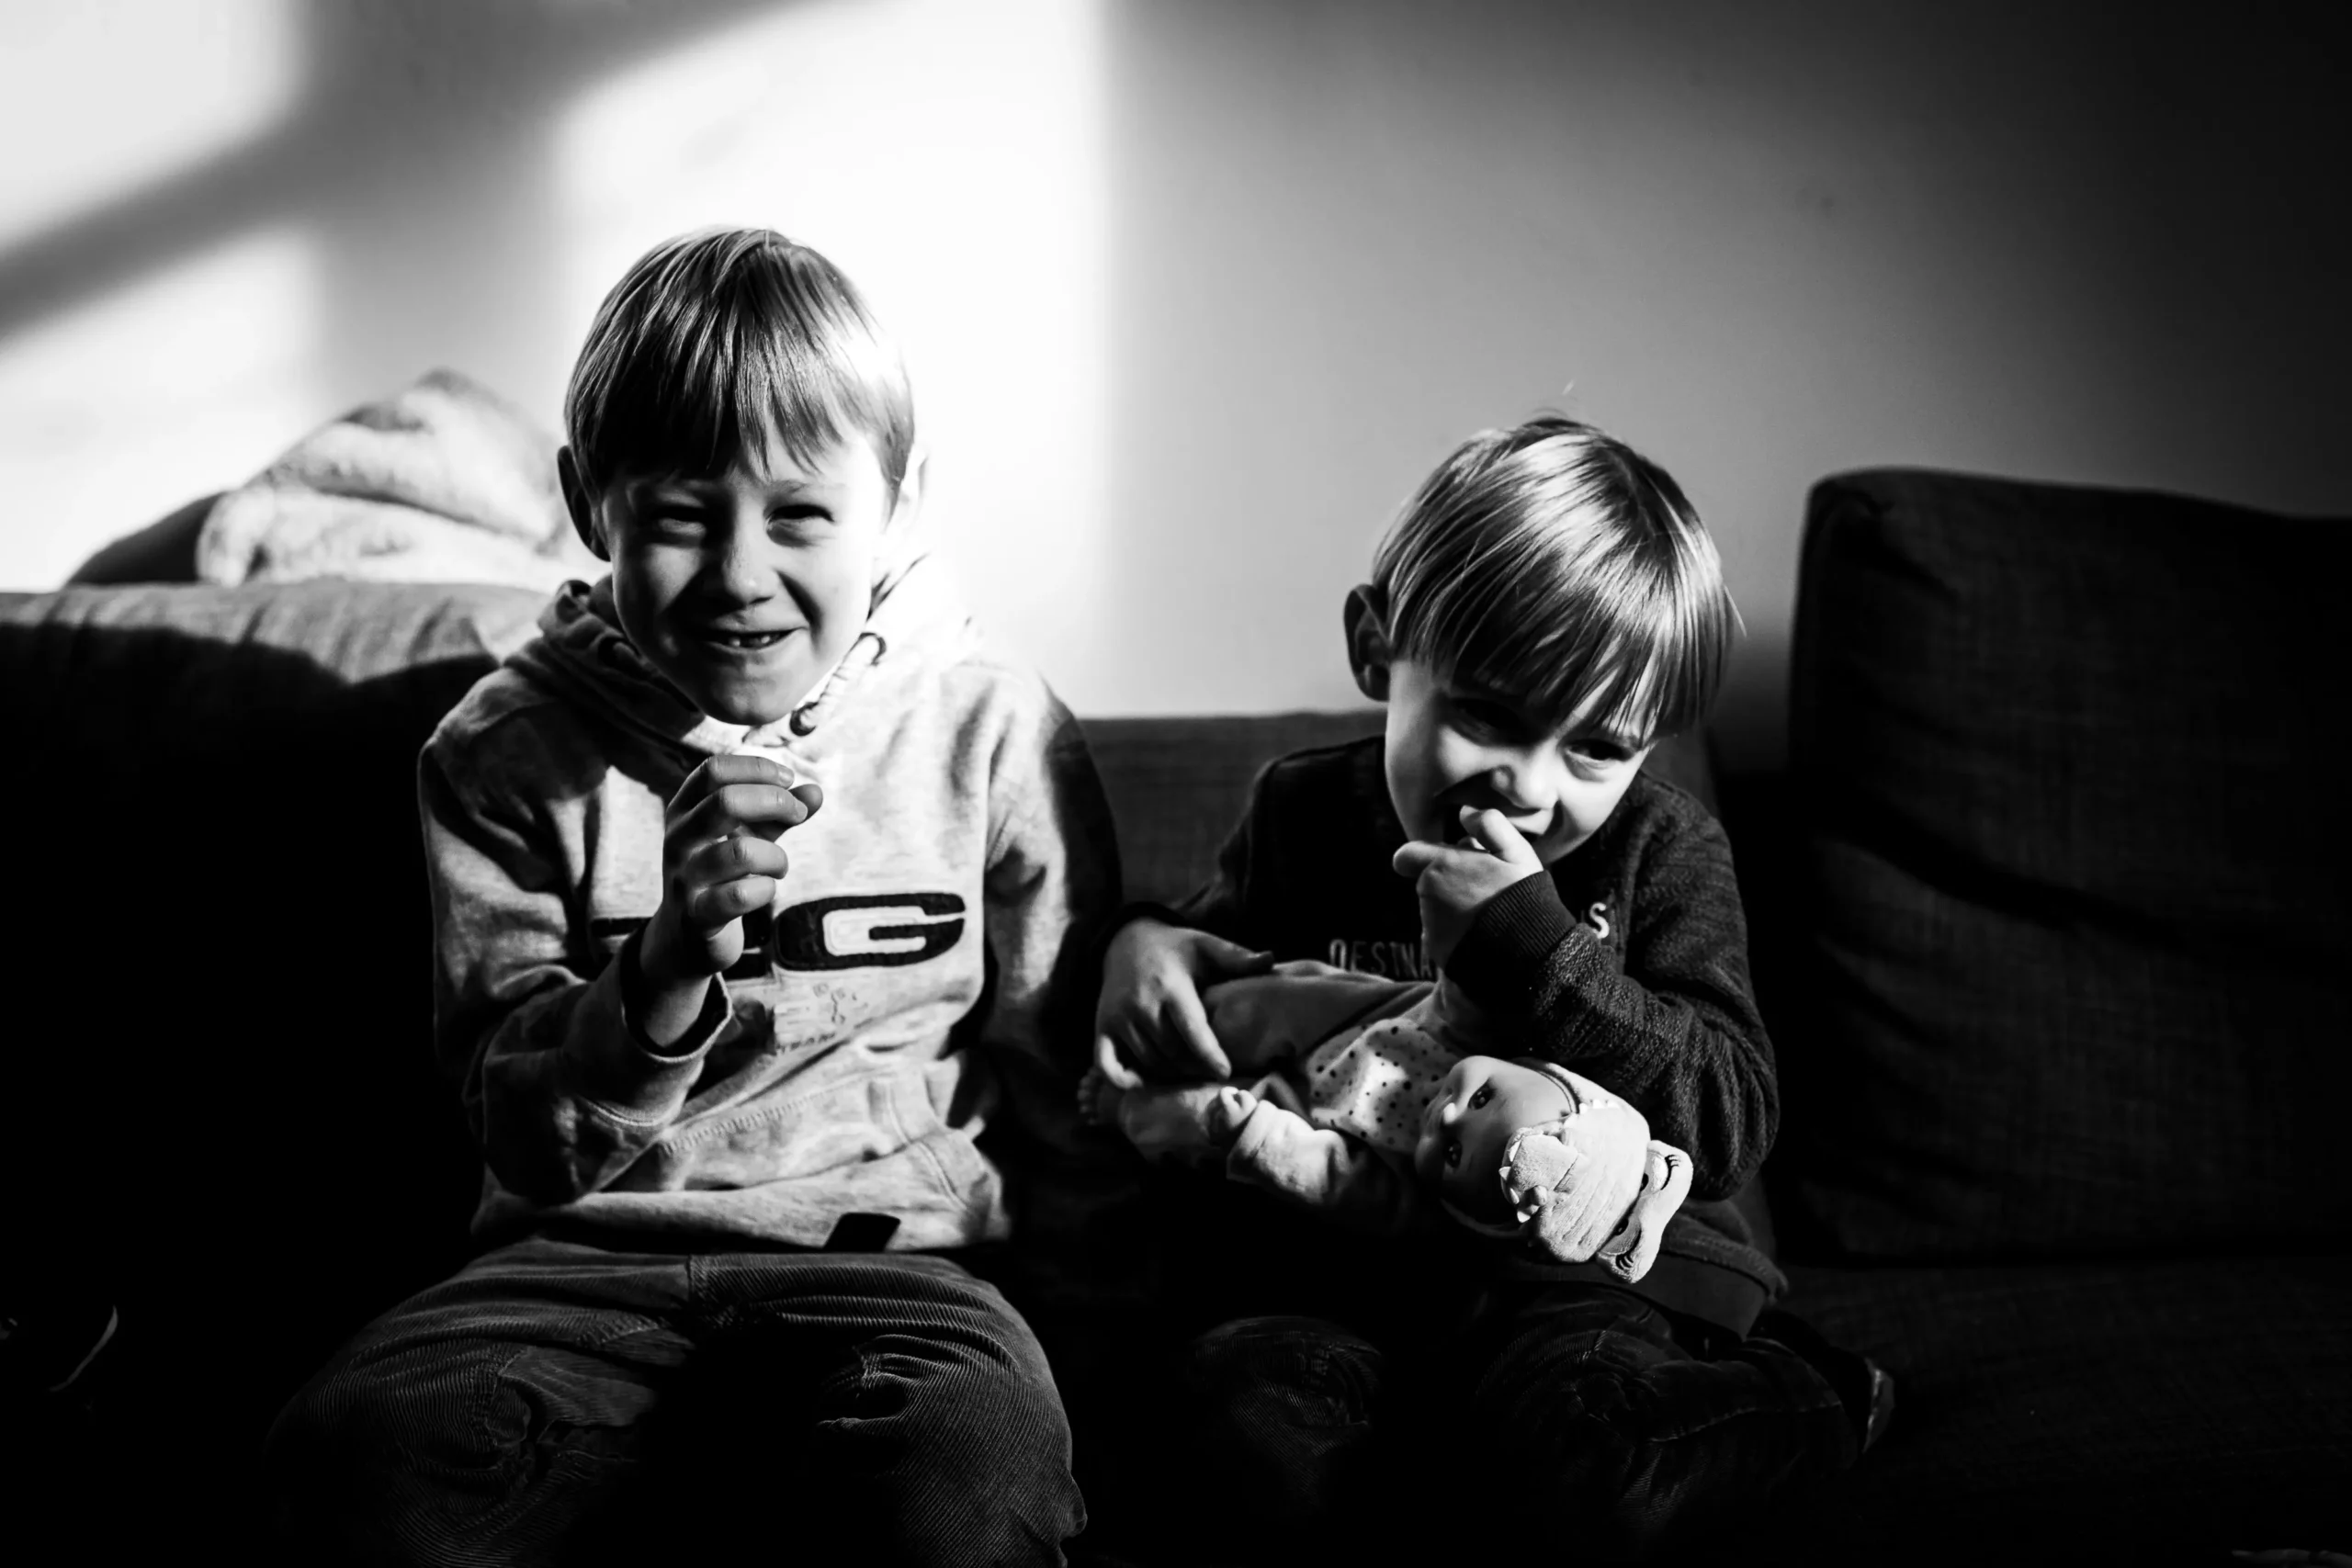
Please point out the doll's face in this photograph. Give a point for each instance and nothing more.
(1481, 1103)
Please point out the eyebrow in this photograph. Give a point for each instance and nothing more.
(702, 486)
(1471, 690)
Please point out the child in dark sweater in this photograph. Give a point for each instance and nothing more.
(1545, 610)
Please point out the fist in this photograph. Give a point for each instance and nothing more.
(719, 861)
(1454, 881)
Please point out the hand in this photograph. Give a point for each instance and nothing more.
(1148, 1023)
(719, 861)
(1454, 881)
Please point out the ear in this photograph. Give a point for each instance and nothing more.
(1368, 656)
(580, 504)
(1666, 1182)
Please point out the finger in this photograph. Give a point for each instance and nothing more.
(810, 795)
(1495, 832)
(763, 808)
(715, 772)
(1108, 1062)
(714, 906)
(736, 856)
(1223, 960)
(1195, 1041)
(1415, 857)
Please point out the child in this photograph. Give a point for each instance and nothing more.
(722, 865)
(1373, 1098)
(1545, 608)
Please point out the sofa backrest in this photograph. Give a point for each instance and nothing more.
(2076, 901)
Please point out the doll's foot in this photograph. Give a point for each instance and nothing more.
(1098, 1099)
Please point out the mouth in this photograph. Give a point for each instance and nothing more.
(1529, 825)
(739, 642)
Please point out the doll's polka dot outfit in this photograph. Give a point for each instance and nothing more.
(1375, 1083)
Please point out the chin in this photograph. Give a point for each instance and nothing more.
(751, 711)
(750, 704)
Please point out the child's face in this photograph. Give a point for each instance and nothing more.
(1481, 1103)
(746, 589)
(1451, 745)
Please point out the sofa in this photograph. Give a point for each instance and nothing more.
(2049, 908)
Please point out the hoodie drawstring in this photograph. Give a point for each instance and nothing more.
(862, 656)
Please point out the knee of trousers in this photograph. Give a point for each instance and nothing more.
(1579, 1454)
(982, 1471)
(1288, 1371)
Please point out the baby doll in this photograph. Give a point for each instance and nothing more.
(1364, 1099)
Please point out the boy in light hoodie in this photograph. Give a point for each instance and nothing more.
(756, 882)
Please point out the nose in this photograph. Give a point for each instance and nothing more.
(1525, 776)
(743, 573)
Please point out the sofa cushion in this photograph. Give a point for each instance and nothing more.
(2136, 1411)
(2076, 878)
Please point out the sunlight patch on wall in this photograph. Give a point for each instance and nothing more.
(149, 88)
(121, 409)
(949, 158)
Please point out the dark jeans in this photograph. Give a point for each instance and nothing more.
(558, 1401)
(1549, 1423)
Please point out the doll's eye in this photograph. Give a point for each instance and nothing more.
(1486, 1092)
(1453, 1155)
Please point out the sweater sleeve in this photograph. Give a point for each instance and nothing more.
(1677, 1032)
(1050, 890)
(561, 1092)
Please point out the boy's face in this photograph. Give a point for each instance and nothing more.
(745, 589)
(1481, 1103)
(1452, 744)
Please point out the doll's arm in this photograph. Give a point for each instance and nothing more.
(1333, 1173)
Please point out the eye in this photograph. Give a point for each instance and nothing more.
(672, 520)
(1597, 749)
(1486, 717)
(1486, 1092)
(1452, 1154)
(796, 521)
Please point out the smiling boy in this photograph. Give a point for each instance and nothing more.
(1543, 612)
(754, 883)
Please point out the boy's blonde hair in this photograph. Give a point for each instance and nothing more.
(728, 343)
(1554, 565)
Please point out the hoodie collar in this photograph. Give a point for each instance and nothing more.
(581, 647)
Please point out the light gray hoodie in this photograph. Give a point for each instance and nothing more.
(904, 990)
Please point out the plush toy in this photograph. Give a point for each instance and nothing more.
(1572, 1183)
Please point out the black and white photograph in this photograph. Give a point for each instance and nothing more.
(1175, 784)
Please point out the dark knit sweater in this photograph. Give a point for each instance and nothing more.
(1628, 964)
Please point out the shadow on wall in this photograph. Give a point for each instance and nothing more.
(268, 213)
(357, 136)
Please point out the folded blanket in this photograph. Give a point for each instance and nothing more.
(443, 482)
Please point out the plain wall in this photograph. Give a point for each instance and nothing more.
(1195, 289)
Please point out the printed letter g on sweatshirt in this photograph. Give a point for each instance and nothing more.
(868, 931)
